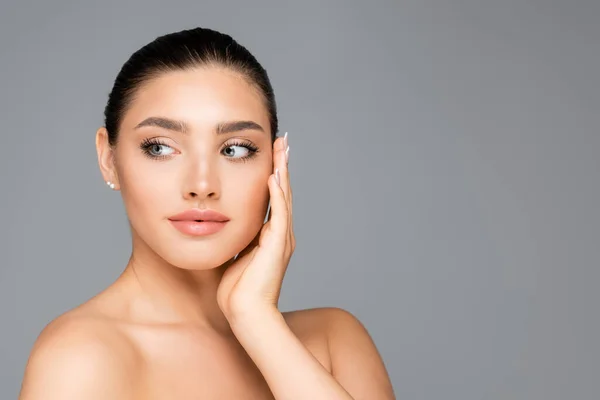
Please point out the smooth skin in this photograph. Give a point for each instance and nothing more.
(186, 319)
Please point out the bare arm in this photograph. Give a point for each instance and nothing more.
(292, 372)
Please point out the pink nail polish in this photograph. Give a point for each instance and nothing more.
(277, 176)
(287, 154)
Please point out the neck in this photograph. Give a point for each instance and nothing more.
(165, 294)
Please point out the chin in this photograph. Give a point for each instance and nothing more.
(195, 264)
(204, 254)
(196, 256)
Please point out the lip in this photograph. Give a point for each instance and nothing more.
(196, 222)
(194, 228)
(196, 214)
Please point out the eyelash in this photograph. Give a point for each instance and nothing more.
(149, 142)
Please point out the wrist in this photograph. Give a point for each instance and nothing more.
(252, 316)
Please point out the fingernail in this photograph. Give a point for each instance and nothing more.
(287, 154)
(285, 139)
(277, 176)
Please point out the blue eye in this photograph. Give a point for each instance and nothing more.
(233, 154)
(154, 148)
(158, 148)
(240, 151)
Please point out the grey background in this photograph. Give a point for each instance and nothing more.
(444, 157)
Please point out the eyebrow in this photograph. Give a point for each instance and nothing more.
(181, 127)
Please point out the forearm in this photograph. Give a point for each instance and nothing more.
(289, 368)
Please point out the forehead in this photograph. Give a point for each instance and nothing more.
(203, 97)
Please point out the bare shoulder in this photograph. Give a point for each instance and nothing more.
(308, 322)
(353, 356)
(79, 356)
(324, 323)
(307, 325)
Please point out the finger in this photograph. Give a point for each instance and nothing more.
(268, 212)
(289, 195)
(280, 162)
(291, 212)
(284, 148)
(277, 144)
(288, 183)
(279, 220)
(290, 204)
(287, 163)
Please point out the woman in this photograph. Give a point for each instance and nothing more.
(190, 140)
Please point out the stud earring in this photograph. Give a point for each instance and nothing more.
(112, 185)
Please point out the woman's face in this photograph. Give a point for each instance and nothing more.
(163, 172)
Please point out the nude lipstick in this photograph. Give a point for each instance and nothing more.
(196, 222)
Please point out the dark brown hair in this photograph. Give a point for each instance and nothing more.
(179, 51)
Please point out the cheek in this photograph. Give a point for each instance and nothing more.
(251, 197)
(145, 193)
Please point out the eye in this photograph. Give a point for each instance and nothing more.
(154, 148)
(236, 151)
(240, 151)
(159, 149)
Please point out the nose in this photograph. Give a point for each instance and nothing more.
(202, 181)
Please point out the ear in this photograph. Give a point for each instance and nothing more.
(106, 158)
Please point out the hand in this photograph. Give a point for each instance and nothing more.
(253, 281)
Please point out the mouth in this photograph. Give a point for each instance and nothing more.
(199, 215)
(198, 227)
(197, 222)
